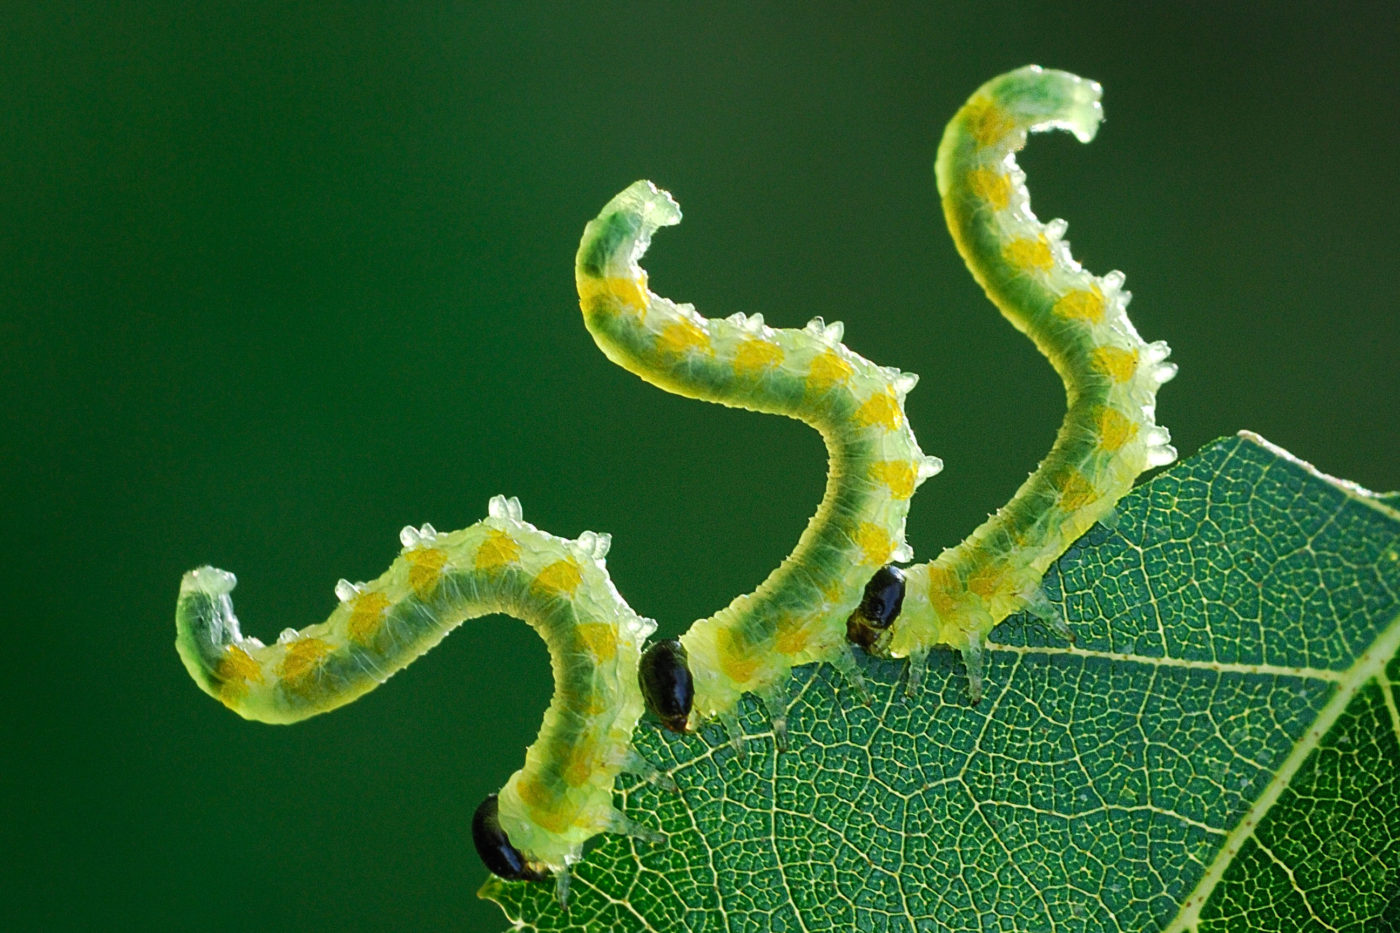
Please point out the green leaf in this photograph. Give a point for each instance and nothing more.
(1219, 751)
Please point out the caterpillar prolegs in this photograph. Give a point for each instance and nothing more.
(839, 584)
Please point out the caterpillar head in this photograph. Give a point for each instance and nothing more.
(494, 847)
(884, 597)
(667, 686)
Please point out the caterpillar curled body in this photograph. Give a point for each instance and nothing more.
(798, 614)
(837, 585)
(1078, 320)
(562, 796)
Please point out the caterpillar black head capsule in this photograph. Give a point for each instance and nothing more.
(500, 857)
(879, 607)
(667, 687)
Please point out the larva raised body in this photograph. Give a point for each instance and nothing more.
(798, 614)
(836, 584)
(562, 796)
(1078, 320)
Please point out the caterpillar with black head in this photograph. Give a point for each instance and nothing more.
(798, 614)
(838, 585)
(562, 796)
(1109, 435)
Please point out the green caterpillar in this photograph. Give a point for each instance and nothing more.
(562, 796)
(797, 615)
(839, 585)
(1109, 435)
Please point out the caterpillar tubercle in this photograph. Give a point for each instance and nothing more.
(1078, 320)
(562, 796)
(798, 614)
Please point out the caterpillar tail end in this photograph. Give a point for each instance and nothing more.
(1043, 99)
(1008, 107)
(607, 269)
(207, 635)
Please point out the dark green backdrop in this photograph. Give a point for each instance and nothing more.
(277, 279)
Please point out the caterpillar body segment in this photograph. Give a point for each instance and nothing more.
(798, 614)
(563, 794)
(1078, 320)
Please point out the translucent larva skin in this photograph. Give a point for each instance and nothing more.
(798, 614)
(1078, 320)
(563, 794)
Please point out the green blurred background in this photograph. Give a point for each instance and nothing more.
(278, 279)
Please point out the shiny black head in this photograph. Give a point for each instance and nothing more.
(884, 597)
(667, 687)
(497, 854)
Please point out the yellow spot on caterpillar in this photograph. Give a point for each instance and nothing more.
(237, 664)
(425, 568)
(1027, 254)
(738, 659)
(882, 409)
(874, 543)
(237, 670)
(1115, 362)
(597, 704)
(498, 550)
(1115, 428)
(679, 336)
(832, 591)
(560, 578)
(792, 636)
(990, 186)
(600, 638)
(303, 658)
(987, 122)
(987, 580)
(629, 293)
(1075, 490)
(366, 616)
(828, 370)
(754, 356)
(542, 803)
(1082, 305)
(899, 475)
(943, 589)
(581, 765)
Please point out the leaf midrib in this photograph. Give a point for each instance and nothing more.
(1229, 667)
(1369, 666)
